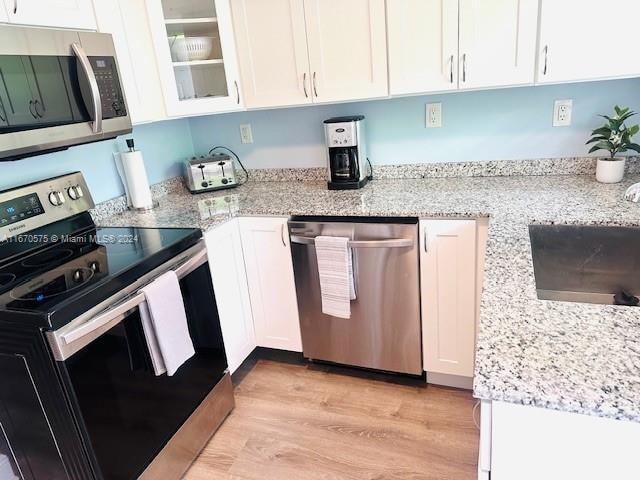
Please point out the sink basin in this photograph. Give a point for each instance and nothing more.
(589, 264)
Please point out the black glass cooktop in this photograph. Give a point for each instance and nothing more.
(55, 277)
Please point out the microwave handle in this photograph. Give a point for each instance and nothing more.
(93, 85)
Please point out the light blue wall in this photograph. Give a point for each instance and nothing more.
(163, 144)
(497, 124)
(501, 124)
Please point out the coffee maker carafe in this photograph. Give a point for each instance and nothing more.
(347, 162)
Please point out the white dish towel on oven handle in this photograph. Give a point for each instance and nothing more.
(335, 269)
(164, 322)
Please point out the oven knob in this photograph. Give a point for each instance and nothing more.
(56, 198)
(95, 266)
(78, 276)
(75, 192)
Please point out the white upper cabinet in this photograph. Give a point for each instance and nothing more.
(196, 55)
(448, 293)
(272, 289)
(574, 44)
(347, 49)
(226, 261)
(127, 22)
(423, 45)
(4, 16)
(272, 55)
(51, 13)
(498, 42)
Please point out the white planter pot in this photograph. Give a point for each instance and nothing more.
(610, 171)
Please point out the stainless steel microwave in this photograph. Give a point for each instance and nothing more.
(58, 88)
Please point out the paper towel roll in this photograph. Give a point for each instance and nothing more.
(134, 178)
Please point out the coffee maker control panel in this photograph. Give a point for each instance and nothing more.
(342, 134)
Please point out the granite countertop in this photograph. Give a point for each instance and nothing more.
(567, 356)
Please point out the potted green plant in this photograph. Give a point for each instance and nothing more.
(615, 137)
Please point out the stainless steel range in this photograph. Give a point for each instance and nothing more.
(79, 397)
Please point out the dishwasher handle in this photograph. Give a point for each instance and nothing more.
(387, 243)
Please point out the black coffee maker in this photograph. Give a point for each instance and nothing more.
(347, 163)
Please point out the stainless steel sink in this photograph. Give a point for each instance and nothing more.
(589, 264)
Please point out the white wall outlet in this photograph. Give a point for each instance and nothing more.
(246, 136)
(562, 113)
(434, 115)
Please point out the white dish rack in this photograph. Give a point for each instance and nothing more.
(189, 49)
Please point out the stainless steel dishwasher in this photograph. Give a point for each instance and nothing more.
(384, 330)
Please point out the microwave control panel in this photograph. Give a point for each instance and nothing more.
(106, 73)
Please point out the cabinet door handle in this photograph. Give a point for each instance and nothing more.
(36, 102)
(284, 244)
(304, 85)
(426, 240)
(546, 57)
(451, 69)
(31, 109)
(235, 82)
(15, 7)
(464, 67)
(315, 87)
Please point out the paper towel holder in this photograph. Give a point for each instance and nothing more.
(121, 170)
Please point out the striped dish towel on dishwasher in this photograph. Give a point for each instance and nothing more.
(335, 268)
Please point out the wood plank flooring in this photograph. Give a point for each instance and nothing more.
(303, 422)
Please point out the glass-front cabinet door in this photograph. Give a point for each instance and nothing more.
(196, 55)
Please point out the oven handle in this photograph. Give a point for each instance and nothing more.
(63, 344)
(130, 302)
(93, 85)
(389, 243)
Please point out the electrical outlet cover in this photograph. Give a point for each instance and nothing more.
(246, 136)
(562, 110)
(434, 115)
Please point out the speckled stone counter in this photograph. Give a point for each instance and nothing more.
(567, 356)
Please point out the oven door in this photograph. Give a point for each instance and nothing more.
(126, 413)
(57, 88)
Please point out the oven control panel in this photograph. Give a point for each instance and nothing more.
(26, 208)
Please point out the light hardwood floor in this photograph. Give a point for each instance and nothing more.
(305, 422)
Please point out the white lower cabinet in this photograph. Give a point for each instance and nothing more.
(531, 443)
(267, 254)
(448, 270)
(4, 16)
(226, 261)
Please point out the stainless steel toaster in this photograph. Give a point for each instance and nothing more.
(215, 172)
